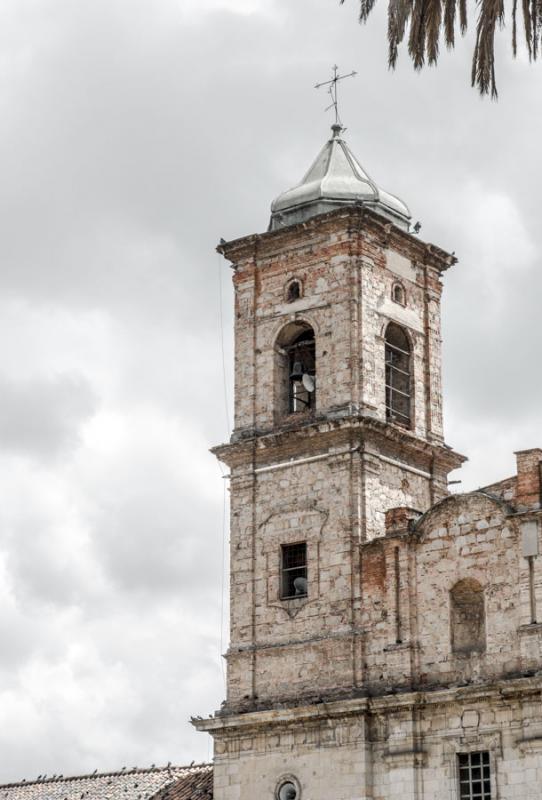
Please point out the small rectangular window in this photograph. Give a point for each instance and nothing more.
(293, 570)
(474, 776)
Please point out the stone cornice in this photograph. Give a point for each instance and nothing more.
(284, 716)
(324, 432)
(265, 245)
(406, 702)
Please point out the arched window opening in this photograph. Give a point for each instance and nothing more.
(296, 378)
(467, 613)
(293, 292)
(398, 375)
(301, 372)
(398, 294)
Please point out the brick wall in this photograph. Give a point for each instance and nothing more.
(416, 640)
(347, 263)
(326, 477)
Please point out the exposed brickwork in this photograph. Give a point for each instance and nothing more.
(523, 490)
(453, 696)
(529, 480)
(347, 262)
(416, 639)
(505, 489)
(326, 477)
(401, 519)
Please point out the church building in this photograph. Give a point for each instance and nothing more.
(386, 635)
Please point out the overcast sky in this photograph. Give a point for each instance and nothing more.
(134, 134)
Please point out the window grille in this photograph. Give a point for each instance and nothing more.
(474, 776)
(398, 377)
(301, 369)
(294, 570)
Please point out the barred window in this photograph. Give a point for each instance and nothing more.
(293, 570)
(295, 369)
(398, 377)
(301, 371)
(474, 776)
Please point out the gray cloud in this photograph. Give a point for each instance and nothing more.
(43, 416)
(151, 529)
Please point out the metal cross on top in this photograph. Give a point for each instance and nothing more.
(333, 90)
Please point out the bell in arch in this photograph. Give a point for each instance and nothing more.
(297, 371)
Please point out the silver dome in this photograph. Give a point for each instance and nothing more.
(336, 178)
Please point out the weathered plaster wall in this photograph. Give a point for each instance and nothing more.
(396, 747)
(408, 577)
(418, 639)
(347, 265)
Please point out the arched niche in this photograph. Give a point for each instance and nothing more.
(293, 291)
(398, 294)
(467, 617)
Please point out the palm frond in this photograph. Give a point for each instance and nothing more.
(515, 28)
(433, 22)
(450, 7)
(399, 12)
(416, 40)
(535, 25)
(365, 8)
(490, 13)
(428, 19)
(528, 26)
(463, 21)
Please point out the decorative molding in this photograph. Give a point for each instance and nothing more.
(357, 708)
(406, 317)
(472, 740)
(294, 508)
(288, 778)
(292, 315)
(312, 534)
(405, 758)
(533, 627)
(530, 745)
(294, 605)
(470, 718)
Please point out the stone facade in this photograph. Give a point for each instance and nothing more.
(416, 639)
(347, 262)
(401, 745)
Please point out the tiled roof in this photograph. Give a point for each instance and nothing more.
(163, 783)
(196, 785)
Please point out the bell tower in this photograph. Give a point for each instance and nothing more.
(338, 419)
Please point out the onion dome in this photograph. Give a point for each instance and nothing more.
(336, 178)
